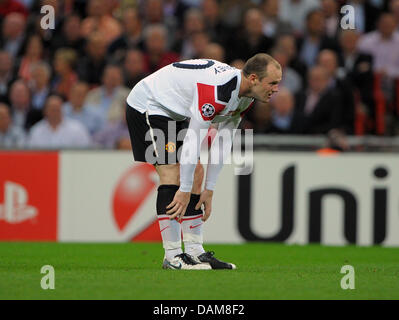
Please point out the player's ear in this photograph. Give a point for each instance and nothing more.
(252, 78)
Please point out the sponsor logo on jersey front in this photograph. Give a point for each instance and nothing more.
(208, 110)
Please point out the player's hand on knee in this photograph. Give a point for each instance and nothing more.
(177, 208)
(206, 200)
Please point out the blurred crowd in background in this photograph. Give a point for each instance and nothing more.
(66, 87)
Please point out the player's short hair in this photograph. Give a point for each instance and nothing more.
(258, 65)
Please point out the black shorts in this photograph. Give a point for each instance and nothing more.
(155, 139)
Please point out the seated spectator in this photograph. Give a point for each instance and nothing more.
(10, 136)
(273, 26)
(232, 13)
(33, 54)
(70, 37)
(319, 104)
(214, 51)
(251, 39)
(74, 108)
(13, 34)
(54, 131)
(366, 14)
(193, 23)
(131, 38)
(314, 39)
(359, 68)
(156, 53)
(40, 84)
(350, 57)
(112, 134)
(287, 43)
(98, 20)
(284, 117)
(23, 115)
(196, 46)
(91, 66)
(290, 79)
(110, 97)
(295, 12)
(332, 17)
(383, 45)
(214, 26)
(173, 12)
(6, 74)
(154, 13)
(65, 75)
(133, 68)
(340, 82)
(257, 118)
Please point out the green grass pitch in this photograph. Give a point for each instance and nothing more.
(133, 271)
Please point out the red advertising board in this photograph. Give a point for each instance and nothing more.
(132, 189)
(28, 196)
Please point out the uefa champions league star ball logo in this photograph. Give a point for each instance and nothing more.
(208, 110)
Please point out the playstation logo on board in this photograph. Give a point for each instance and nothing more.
(15, 208)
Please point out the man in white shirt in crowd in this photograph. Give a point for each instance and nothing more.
(383, 45)
(295, 12)
(207, 92)
(109, 98)
(54, 131)
(89, 116)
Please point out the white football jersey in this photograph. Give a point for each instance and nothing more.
(206, 90)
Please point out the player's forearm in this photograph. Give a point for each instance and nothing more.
(218, 155)
(186, 177)
(190, 153)
(212, 175)
(220, 151)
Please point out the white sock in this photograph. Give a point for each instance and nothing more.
(171, 253)
(171, 236)
(192, 235)
(194, 249)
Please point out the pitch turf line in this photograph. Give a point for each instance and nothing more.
(133, 271)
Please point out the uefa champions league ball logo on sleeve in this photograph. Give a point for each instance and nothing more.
(208, 110)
